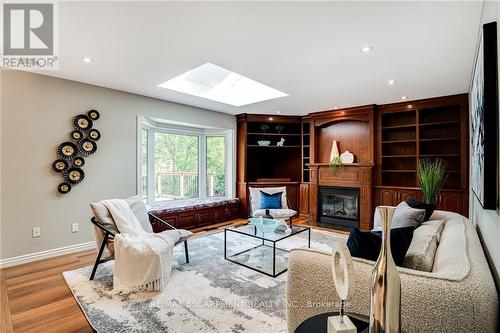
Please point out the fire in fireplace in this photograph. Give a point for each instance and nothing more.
(339, 206)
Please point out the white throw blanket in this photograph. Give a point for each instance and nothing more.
(142, 260)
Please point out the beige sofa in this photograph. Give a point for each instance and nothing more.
(459, 294)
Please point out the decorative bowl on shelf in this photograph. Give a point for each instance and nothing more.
(264, 225)
(263, 142)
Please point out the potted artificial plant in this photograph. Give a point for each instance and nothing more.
(431, 178)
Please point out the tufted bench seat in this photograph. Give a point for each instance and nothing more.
(197, 213)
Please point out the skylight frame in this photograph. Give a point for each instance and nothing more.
(216, 83)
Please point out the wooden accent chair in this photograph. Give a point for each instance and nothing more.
(105, 229)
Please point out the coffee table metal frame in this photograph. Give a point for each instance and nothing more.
(264, 239)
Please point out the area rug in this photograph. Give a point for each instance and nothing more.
(210, 294)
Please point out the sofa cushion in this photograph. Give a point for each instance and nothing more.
(270, 201)
(275, 213)
(414, 203)
(422, 250)
(404, 216)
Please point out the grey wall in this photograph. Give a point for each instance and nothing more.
(488, 221)
(36, 114)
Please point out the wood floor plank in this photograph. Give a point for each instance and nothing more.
(36, 298)
(5, 319)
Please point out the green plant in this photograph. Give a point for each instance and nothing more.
(431, 178)
(336, 163)
(279, 128)
(264, 128)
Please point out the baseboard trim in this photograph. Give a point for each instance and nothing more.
(27, 258)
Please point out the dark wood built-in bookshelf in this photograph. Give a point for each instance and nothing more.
(388, 139)
(272, 165)
(431, 129)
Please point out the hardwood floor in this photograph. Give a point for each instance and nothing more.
(35, 297)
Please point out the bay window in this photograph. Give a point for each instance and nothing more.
(182, 162)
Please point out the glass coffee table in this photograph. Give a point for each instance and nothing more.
(259, 251)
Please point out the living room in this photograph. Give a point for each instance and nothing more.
(250, 166)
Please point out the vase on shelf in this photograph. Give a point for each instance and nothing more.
(334, 153)
(385, 291)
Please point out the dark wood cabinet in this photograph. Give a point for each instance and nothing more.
(450, 200)
(201, 215)
(392, 197)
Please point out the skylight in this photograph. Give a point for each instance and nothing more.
(219, 84)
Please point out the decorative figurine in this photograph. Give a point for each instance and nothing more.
(342, 270)
(281, 142)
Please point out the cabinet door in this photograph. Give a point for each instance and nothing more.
(450, 201)
(233, 211)
(304, 198)
(292, 194)
(220, 214)
(403, 194)
(188, 220)
(204, 217)
(385, 197)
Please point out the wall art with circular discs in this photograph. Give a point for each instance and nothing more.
(71, 154)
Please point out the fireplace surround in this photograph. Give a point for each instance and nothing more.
(339, 206)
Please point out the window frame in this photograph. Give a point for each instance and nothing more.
(202, 133)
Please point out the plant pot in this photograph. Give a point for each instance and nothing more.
(429, 209)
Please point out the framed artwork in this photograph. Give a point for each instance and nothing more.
(484, 120)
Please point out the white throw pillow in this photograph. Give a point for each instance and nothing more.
(423, 247)
(404, 216)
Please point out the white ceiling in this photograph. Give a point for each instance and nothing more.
(310, 51)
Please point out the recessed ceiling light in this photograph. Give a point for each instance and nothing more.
(391, 82)
(278, 112)
(221, 85)
(366, 49)
(404, 97)
(335, 107)
(87, 60)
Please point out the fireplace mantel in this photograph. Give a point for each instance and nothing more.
(356, 175)
(343, 165)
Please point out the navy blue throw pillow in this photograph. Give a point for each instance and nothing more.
(366, 244)
(270, 201)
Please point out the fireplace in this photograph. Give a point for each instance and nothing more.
(339, 206)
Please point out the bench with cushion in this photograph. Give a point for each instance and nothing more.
(197, 213)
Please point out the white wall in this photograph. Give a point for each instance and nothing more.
(488, 221)
(36, 114)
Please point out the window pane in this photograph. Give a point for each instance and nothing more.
(176, 166)
(216, 166)
(144, 164)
